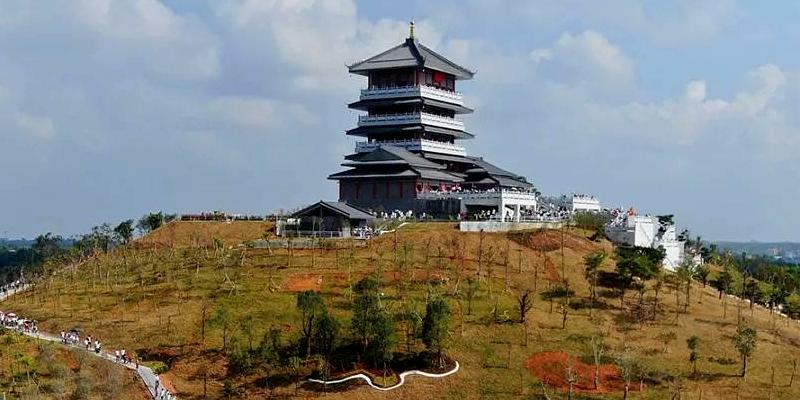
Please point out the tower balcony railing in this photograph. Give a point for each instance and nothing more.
(411, 118)
(415, 145)
(429, 92)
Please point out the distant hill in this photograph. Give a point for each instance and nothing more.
(15, 243)
(786, 251)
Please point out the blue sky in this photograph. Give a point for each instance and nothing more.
(110, 109)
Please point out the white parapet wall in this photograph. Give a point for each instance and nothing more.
(497, 226)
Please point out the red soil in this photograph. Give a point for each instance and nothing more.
(550, 270)
(551, 368)
(303, 282)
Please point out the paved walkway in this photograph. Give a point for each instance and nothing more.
(145, 373)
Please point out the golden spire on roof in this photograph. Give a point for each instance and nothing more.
(411, 30)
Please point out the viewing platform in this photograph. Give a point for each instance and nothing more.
(411, 118)
(509, 203)
(429, 92)
(415, 145)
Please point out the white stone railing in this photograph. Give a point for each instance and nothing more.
(411, 118)
(415, 145)
(401, 378)
(484, 194)
(407, 91)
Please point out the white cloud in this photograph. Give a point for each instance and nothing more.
(40, 127)
(260, 114)
(696, 91)
(128, 34)
(318, 37)
(586, 60)
(755, 117)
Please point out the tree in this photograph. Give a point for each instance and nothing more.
(47, 245)
(311, 306)
(124, 231)
(383, 338)
(473, 285)
(598, 349)
(693, 343)
(525, 303)
(592, 262)
(151, 221)
(268, 350)
(222, 320)
(666, 338)
(637, 262)
(247, 324)
(684, 274)
(592, 221)
(702, 272)
(435, 327)
(326, 333)
(745, 342)
(412, 322)
(366, 305)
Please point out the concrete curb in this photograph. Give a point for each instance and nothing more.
(402, 376)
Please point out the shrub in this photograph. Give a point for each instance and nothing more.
(158, 367)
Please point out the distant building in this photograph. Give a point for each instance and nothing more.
(326, 219)
(411, 158)
(573, 202)
(631, 229)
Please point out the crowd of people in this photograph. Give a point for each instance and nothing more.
(20, 324)
(11, 287)
(161, 393)
(363, 232)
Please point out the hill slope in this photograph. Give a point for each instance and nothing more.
(183, 234)
(33, 369)
(155, 300)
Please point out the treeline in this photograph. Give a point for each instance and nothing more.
(760, 280)
(369, 340)
(56, 249)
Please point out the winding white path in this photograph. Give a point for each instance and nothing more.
(402, 376)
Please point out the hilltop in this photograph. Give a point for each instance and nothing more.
(186, 234)
(157, 297)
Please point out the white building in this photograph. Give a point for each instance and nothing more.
(631, 229)
(573, 202)
(582, 202)
(509, 204)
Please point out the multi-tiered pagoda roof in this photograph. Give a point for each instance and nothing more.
(411, 132)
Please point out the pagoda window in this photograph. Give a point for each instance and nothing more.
(388, 190)
(374, 190)
(400, 188)
(439, 80)
(358, 190)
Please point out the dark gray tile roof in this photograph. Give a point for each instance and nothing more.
(392, 153)
(365, 131)
(344, 209)
(410, 54)
(363, 173)
(365, 104)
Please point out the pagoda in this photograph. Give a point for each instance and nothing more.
(411, 148)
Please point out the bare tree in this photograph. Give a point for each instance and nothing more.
(598, 349)
(525, 303)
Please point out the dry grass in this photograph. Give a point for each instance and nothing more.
(152, 300)
(183, 234)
